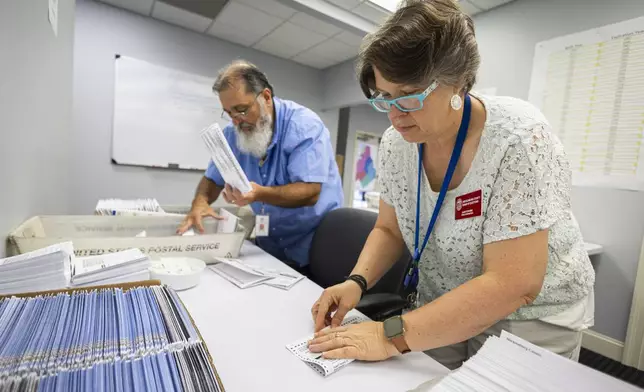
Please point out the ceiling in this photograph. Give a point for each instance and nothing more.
(316, 33)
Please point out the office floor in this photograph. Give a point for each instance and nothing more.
(611, 367)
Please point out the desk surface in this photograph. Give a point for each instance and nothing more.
(593, 249)
(247, 330)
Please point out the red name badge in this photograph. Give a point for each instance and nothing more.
(468, 206)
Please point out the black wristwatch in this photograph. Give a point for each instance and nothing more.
(361, 281)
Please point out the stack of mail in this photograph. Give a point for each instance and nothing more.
(244, 275)
(224, 159)
(128, 207)
(139, 339)
(120, 267)
(509, 363)
(40, 270)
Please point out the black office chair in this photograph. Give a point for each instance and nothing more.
(336, 245)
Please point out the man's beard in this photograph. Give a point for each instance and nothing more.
(255, 139)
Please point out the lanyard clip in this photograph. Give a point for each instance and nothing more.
(412, 277)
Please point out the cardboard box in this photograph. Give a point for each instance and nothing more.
(125, 287)
(95, 235)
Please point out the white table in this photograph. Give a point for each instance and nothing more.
(247, 330)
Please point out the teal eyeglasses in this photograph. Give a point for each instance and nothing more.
(408, 103)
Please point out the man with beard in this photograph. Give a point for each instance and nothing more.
(285, 151)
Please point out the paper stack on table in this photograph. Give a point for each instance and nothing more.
(243, 275)
(40, 270)
(120, 267)
(315, 361)
(509, 363)
(224, 159)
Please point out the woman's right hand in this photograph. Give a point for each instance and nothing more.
(340, 299)
(195, 217)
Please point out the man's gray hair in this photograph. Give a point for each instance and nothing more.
(242, 70)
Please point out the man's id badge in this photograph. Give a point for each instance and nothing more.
(261, 225)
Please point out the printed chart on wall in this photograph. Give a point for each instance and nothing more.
(589, 86)
(159, 114)
(365, 163)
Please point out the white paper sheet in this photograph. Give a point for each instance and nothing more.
(236, 272)
(244, 275)
(324, 367)
(228, 224)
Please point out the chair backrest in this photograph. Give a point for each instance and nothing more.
(337, 243)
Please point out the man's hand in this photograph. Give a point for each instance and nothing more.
(195, 217)
(234, 196)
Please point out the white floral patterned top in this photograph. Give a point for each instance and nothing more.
(524, 178)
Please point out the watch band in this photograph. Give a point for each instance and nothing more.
(395, 332)
(361, 281)
(401, 344)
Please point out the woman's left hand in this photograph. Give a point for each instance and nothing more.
(365, 341)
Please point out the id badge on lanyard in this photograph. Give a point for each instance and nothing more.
(411, 279)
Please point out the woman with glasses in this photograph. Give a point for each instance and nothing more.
(478, 189)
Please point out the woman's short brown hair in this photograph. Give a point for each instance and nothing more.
(423, 41)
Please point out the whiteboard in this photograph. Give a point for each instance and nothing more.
(589, 86)
(158, 116)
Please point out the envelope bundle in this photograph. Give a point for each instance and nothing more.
(141, 339)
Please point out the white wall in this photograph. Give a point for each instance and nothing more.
(341, 86)
(103, 31)
(35, 110)
(362, 118)
(330, 118)
(615, 219)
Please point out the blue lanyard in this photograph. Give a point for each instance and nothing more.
(412, 273)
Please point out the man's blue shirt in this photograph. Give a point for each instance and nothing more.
(300, 151)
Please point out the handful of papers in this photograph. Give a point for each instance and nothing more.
(509, 363)
(224, 159)
(40, 270)
(120, 267)
(243, 275)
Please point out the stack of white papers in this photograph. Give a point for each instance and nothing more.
(315, 361)
(509, 363)
(40, 270)
(120, 267)
(128, 207)
(224, 159)
(243, 275)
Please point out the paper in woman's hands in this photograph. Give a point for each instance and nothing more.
(325, 367)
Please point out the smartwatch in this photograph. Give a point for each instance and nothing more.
(395, 332)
